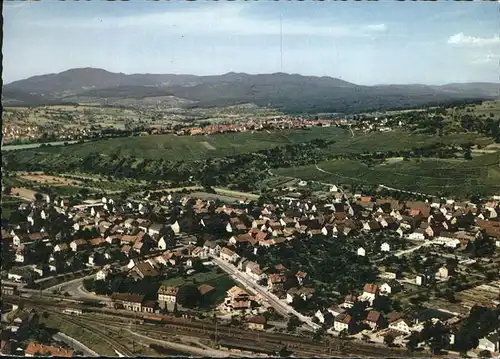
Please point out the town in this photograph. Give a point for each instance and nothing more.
(407, 276)
(233, 180)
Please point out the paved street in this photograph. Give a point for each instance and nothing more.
(282, 308)
(413, 249)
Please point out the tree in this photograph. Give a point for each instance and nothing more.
(38, 197)
(412, 342)
(299, 303)
(318, 334)
(343, 334)
(485, 354)
(188, 296)
(389, 340)
(293, 323)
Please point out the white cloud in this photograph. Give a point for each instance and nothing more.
(487, 59)
(15, 5)
(471, 41)
(376, 28)
(222, 19)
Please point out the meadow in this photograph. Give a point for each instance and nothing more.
(186, 148)
(191, 148)
(426, 175)
(170, 157)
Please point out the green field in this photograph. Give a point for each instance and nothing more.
(172, 158)
(190, 148)
(187, 148)
(431, 176)
(399, 140)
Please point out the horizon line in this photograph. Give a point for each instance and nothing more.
(247, 73)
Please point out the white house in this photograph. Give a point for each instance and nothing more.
(228, 255)
(400, 325)
(102, 274)
(229, 228)
(162, 244)
(77, 244)
(423, 279)
(16, 239)
(417, 235)
(176, 227)
(370, 292)
(15, 277)
(443, 272)
(38, 271)
(167, 296)
(385, 288)
(131, 264)
(490, 342)
(19, 257)
(212, 248)
(61, 247)
(385, 247)
(389, 288)
(342, 322)
(200, 252)
(361, 252)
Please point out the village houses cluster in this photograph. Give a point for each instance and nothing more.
(117, 236)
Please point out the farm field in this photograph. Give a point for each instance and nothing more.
(186, 148)
(48, 180)
(399, 140)
(23, 193)
(420, 175)
(190, 148)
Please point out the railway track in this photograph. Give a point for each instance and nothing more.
(311, 348)
(180, 326)
(91, 327)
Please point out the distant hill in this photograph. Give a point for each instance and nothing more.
(286, 92)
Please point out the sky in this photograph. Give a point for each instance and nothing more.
(362, 42)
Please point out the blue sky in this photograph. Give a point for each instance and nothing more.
(362, 42)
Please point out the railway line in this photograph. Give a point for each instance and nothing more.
(160, 325)
(298, 347)
(91, 327)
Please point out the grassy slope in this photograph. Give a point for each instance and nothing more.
(425, 175)
(188, 148)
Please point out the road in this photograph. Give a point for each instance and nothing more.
(75, 344)
(73, 287)
(405, 251)
(405, 191)
(336, 174)
(413, 249)
(282, 308)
